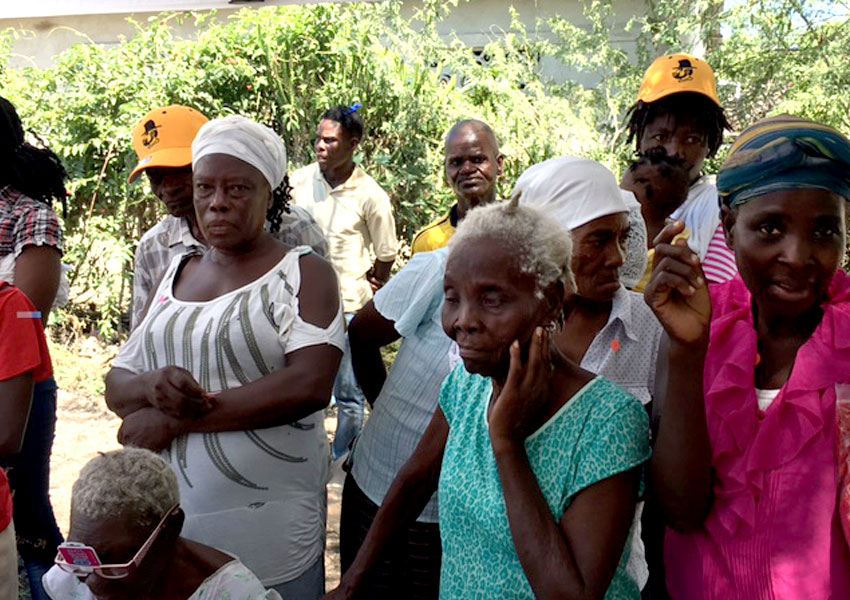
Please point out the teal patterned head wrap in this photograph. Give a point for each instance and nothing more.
(784, 153)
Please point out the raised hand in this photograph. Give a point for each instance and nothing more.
(677, 292)
(515, 411)
(174, 391)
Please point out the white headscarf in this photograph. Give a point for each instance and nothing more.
(256, 144)
(573, 191)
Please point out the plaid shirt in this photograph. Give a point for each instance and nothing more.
(172, 237)
(26, 222)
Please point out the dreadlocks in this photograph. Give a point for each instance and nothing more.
(708, 115)
(281, 198)
(35, 172)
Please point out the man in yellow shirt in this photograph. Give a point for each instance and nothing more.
(473, 165)
(356, 217)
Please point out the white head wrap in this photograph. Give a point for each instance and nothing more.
(256, 144)
(573, 191)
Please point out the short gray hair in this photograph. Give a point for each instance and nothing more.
(131, 482)
(543, 248)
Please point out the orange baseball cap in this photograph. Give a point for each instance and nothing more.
(163, 138)
(677, 73)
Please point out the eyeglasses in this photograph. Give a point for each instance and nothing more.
(79, 559)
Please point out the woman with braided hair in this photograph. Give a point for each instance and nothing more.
(30, 253)
(230, 368)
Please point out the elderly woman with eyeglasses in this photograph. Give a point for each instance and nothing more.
(125, 540)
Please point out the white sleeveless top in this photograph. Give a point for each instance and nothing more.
(258, 494)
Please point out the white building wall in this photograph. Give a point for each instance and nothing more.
(51, 26)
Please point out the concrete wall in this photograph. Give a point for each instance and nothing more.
(475, 22)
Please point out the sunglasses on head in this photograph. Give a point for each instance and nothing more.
(79, 559)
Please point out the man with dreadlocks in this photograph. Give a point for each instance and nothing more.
(678, 115)
(30, 253)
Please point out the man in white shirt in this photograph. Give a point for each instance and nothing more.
(678, 115)
(356, 216)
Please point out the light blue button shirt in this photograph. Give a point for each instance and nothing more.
(413, 300)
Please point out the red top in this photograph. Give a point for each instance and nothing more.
(22, 349)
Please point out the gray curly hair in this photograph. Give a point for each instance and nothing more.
(132, 482)
(542, 246)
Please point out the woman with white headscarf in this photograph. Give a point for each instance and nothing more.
(607, 329)
(233, 363)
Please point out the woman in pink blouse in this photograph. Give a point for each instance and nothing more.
(745, 466)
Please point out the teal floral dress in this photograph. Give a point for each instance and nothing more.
(600, 432)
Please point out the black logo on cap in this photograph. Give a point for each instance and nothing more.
(151, 135)
(684, 72)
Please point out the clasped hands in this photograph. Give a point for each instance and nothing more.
(174, 398)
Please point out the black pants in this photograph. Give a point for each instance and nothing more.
(410, 569)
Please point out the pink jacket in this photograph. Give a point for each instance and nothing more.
(773, 531)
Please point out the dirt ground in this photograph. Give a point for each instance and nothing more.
(85, 427)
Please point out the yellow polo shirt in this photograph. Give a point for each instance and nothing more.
(437, 234)
(357, 218)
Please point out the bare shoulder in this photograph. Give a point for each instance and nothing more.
(317, 266)
(319, 293)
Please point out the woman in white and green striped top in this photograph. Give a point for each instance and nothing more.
(233, 363)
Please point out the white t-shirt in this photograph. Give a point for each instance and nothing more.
(700, 213)
(233, 581)
(766, 397)
(258, 494)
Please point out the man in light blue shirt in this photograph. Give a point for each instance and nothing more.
(410, 306)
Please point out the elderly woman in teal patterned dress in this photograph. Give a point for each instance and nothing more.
(522, 513)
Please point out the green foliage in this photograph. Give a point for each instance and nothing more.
(285, 66)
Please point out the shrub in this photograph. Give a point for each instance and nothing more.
(285, 66)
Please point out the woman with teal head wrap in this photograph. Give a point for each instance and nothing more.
(744, 466)
(785, 153)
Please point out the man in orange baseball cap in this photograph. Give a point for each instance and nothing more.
(678, 119)
(678, 115)
(163, 140)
